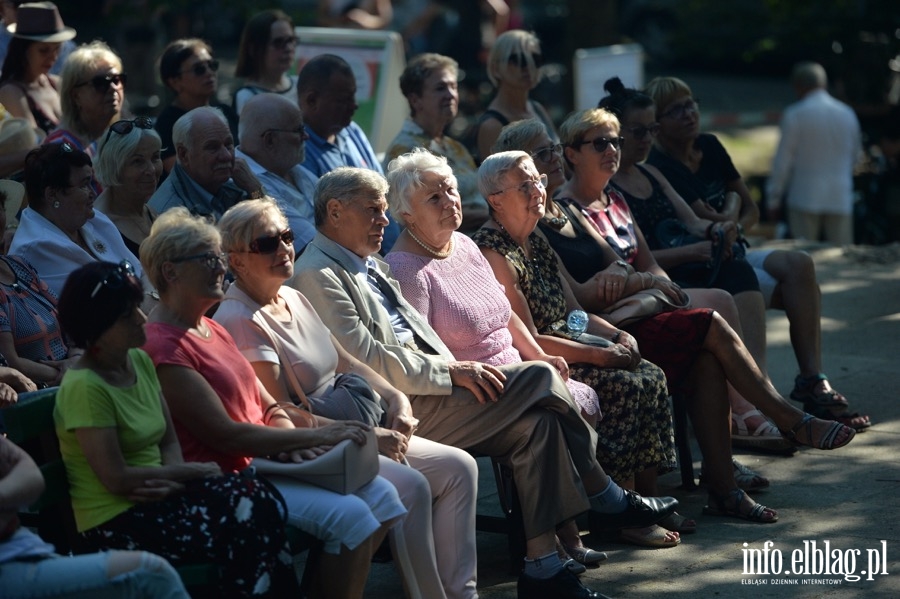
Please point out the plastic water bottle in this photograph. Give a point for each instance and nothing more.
(577, 323)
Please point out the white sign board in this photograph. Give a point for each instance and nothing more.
(593, 66)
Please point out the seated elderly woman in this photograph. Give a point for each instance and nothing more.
(276, 328)
(533, 285)
(128, 165)
(636, 441)
(93, 96)
(455, 290)
(30, 337)
(129, 483)
(701, 172)
(60, 230)
(218, 405)
(429, 84)
(30, 567)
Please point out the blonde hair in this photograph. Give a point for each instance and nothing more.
(80, 65)
(237, 224)
(665, 90)
(175, 233)
(515, 41)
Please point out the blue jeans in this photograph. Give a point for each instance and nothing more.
(87, 577)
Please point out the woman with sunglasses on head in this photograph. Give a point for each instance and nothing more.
(130, 486)
(702, 174)
(60, 230)
(265, 55)
(514, 66)
(128, 165)
(93, 97)
(188, 69)
(222, 411)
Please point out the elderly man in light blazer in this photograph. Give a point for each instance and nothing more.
(521, 414)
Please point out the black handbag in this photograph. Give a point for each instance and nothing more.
(672, 233)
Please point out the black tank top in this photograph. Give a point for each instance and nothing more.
(581, 255)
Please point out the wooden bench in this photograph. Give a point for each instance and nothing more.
(29, 424)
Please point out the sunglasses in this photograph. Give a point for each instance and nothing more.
(677, 112)
(102, 83)
(125, 127)
(117, 278)
(270, 244)
(521, 60)
(601, 143)
(212, 260)
(547, 153)
(199, 68)
(526, 186)
(280, 43)
(640, 132)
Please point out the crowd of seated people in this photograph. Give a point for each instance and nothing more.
(181, 278)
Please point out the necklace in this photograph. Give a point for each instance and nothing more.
(557, 222)
(428, 248)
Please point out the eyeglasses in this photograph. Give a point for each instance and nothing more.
(526, 186)
(677, 112)
(640, 132)
(212, 260)
(199, 68)
(269, 244)
(301, 131)
(280, 43)
(601, 143)
(125, 127)
(521, 60)
(102, 83)
(116, 278)
(547, 153)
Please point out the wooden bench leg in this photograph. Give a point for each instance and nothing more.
(683, 443)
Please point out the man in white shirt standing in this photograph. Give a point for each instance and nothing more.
(273, 143)
(813, 167)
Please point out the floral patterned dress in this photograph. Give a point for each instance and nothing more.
(636, 430)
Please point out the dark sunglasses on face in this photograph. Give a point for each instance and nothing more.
(116, 278)
(127, 126)
(280, 43)
(547, 153)
(212, 260)
(521, 60)
(102, 83)
(601, 143)
(199, 68)
(640, 132)
(269, 244)
(677, 112)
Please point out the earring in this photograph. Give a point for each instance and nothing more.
(56, 204)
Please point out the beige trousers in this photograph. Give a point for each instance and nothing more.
(534, 427)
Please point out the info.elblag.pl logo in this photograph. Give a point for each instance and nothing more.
(814, 559)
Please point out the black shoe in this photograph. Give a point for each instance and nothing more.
(564, 585)
(641, 511)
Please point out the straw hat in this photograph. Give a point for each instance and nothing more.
(15, 193)
(18, 134)
(40, 21)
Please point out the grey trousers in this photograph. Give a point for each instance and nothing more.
(534, 427)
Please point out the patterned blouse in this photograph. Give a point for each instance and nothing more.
(28, 311)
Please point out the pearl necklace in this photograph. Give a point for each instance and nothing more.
(428, 248)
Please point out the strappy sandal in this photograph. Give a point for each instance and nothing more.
(678, 523)
(745, 478)
(757, 513)
(827, 405)
(765, 437)
(826, 440)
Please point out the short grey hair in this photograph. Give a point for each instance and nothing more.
(809, 75)
(175, 233)
(404, 176)
(519, 135)
(495, 167)
(115, 151)
(239, 221)
(181, 130)
(347, 183)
